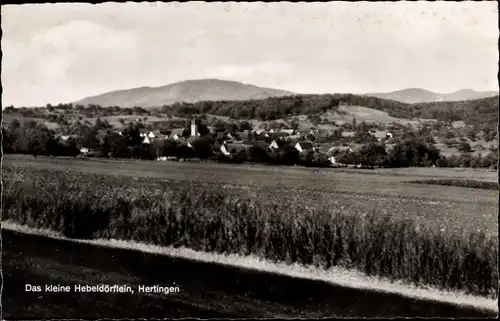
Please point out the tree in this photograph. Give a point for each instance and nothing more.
(413, 152)
(102, 124)
(364, 137)
(89, 139)
(258, 154)
(14, 124)
(464, 147)
(372, 154)
(203, 147)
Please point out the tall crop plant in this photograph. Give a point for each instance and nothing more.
(210, 218)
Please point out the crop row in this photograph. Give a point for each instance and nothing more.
(459, 182)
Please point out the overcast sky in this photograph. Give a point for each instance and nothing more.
(64, 52)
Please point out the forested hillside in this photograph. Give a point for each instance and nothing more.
(473, 112)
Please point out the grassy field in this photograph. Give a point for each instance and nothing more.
(375, 223)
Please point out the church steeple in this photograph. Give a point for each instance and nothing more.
(194, 128)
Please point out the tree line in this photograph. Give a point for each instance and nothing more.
(480, 112)
(37, 139)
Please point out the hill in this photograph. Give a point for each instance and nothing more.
(184, 91)
(418, 95)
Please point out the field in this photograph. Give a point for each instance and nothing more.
(377, 223)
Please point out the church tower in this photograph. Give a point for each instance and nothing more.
(194, 128)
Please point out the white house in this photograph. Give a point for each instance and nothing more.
(146, 140)
(151, 135)
(223, 149)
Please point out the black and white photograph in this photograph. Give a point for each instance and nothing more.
(250, 160)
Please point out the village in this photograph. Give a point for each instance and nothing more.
(232, 144)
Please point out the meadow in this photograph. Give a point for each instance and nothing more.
(440, 236)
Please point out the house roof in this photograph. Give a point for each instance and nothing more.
(306, 145)
(176, 131)
(338, 149)
(288, 131)
(280, 143)
(293, 137)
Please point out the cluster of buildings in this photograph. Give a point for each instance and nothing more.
(232, 143)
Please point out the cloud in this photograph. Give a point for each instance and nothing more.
(69, 51)
(248, 71)
(73, 57)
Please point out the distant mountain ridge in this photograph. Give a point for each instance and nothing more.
(216, 90)
(418, 95)
(183, 91)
